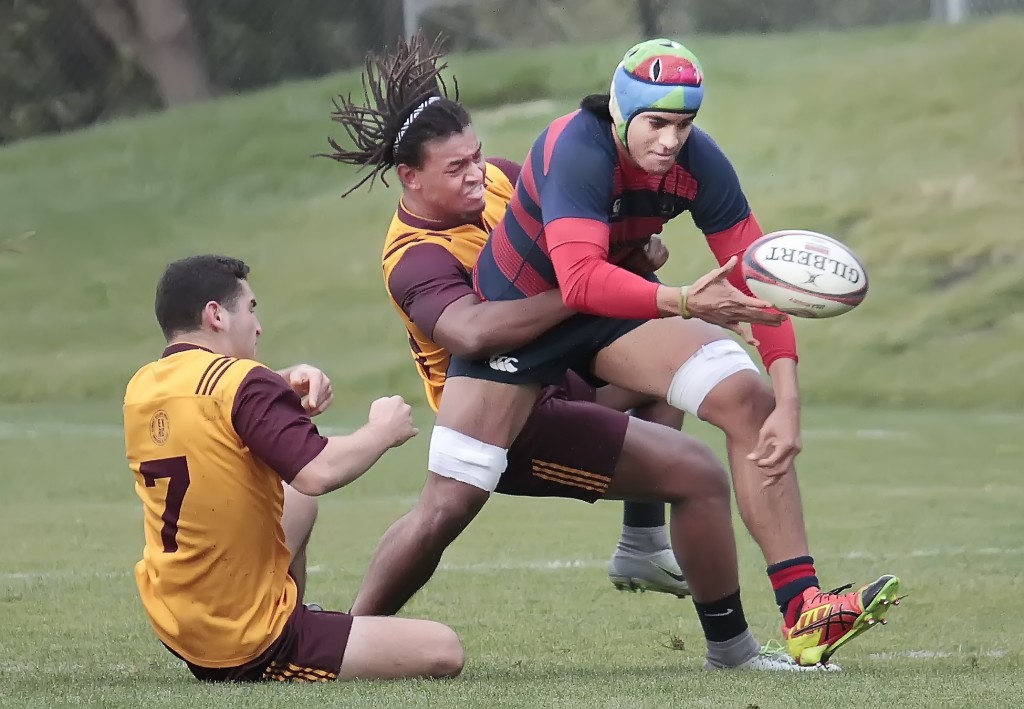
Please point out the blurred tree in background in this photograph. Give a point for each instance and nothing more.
(70, 63)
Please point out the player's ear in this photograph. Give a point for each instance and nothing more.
(213, 316)
(409, 176)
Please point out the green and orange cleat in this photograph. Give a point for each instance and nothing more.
(827, 621)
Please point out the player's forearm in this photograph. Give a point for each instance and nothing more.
(775, 342)
(499, 326)
(343, 460)
(784, 382)
(590, 284)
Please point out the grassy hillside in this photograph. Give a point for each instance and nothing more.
(907, 143)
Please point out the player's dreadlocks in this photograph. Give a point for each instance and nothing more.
(406, 104)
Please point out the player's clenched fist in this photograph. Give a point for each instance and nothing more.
(649, 259)
(393, 418)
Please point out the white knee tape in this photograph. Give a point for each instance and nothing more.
(457, 456)
(708, 366)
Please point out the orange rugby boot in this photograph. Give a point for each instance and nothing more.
(827, 621)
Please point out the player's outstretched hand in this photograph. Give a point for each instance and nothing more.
(393, 418)
(714, 299)
(313, 386)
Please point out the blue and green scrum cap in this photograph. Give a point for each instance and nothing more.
(656, 75)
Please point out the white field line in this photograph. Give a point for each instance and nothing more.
(34, 430)
(933, 654)
(532, 564)
(538, 565)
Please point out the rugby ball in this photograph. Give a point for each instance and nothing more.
(804, 273)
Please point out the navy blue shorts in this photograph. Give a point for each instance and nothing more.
(569, 346)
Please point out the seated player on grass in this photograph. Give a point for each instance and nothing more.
(226, 462)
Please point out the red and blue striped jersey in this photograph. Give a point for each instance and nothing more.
(575, 170)
(579, 196)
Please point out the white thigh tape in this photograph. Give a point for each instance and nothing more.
(457, 456)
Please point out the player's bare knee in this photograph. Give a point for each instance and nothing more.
(441, 518)
(446, 658)
(713, 477)
(446, 506)
(703, 474)
(739, 405)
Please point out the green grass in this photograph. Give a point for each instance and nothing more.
(903, 142)
(933, 496)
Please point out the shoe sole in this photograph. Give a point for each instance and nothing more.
(632, 585)
(874, 614)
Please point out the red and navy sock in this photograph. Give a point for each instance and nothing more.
(790, 579)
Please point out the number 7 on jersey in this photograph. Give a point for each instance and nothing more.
(176, 469)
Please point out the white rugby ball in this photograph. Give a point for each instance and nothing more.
(804, 273)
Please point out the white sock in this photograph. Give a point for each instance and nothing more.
(644, 540)
(732, 653)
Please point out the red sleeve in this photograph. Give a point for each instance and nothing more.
(776, 342)
(590, 284)
(269, 418)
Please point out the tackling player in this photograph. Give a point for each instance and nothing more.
(438, 270)
(569, 446)
(211, 436)
(596, 185)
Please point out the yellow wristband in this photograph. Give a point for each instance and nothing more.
(684, 294)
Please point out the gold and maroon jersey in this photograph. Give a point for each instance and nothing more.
(427, 265)
(210, 439)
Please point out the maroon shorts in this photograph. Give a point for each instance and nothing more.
(310, 649)
(569, 446)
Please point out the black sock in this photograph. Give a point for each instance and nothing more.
(643, 514)
(722, 619)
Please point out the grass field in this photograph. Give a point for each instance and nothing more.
(907, 142)
(933, 496)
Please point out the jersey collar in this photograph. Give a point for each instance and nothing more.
(182, 347)
(418, 222)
